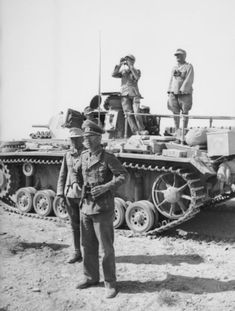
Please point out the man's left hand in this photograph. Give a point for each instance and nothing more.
(98, 190)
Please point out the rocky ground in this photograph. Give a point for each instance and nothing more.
(189, 268)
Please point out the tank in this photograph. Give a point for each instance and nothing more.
(172, 175)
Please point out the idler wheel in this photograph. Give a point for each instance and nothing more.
(119, 212)
(140, 216)
(5, 180)
(59, 208)
(43, 202)
(24, 199)
(171, 195)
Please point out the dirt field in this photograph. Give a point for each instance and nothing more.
(192, 268)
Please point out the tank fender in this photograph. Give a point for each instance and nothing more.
(203, 165)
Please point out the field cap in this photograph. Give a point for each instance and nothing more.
(91, 128)
(180, 51)
(75, 132)
(88, 110)
(130, 56)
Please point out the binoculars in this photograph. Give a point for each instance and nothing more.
(177, 73)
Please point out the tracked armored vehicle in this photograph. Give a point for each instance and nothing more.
(172, 175)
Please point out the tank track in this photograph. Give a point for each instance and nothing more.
(164, 225)
(195, 186)
(7, 206)
(30, 160)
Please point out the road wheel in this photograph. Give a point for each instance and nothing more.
(43, 202)
(119, 216)
(60, 209)
(140, 216)
(24, 199)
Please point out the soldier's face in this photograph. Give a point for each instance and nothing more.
(76, 142)
(180, 58)
(130, 61)
(92, 142)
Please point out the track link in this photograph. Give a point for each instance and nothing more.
(196, 188)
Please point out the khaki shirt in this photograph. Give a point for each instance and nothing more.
(99, 168)
(64, 185)
(181, 79)
(129, 84)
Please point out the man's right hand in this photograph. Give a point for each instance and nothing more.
(122, 60)
(76, 188)
(62, 198)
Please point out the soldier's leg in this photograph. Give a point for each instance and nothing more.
(127, 107)
(74, 215)
(173, 105)
(103, 225)
(90, 249)
(138, 118)
(185, 102)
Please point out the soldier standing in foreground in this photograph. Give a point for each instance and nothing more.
(102, 173)
(130, 92)
(180, 88)
(69, 197)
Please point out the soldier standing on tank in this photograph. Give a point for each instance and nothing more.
(180, 88)
(89, 114)
(68, 196)
(130, 92)
(102, 173)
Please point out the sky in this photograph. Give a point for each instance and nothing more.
(49, 57)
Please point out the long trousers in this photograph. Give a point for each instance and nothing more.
(132, 104)
(97, 231)
(74, 215)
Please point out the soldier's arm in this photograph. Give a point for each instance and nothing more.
(62, 177)
(116, 73)
(187, 84)
(170, 84)
(76, 174)
(136, 72)
(120, 174)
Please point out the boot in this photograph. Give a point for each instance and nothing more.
(110, 292)
(110, 289)
(86, 283)
(77, 257)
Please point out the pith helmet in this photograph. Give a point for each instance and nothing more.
(88, 110)
(130, 56)
(180, 51)
(75, 132)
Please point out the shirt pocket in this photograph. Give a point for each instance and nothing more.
(183, 74)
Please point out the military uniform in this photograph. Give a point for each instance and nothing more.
(97, 213)
(72, 198)
(180, 88)
(130, 95)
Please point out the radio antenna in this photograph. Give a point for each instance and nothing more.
(99, 83)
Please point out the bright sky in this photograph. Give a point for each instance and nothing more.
(50, 54)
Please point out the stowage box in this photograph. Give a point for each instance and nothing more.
(221, 143)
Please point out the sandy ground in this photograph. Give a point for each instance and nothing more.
(192, 268)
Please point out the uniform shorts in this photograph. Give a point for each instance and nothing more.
(179, 102)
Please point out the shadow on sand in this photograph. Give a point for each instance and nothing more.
(21, 246)
(178, 283)
(174, 260)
